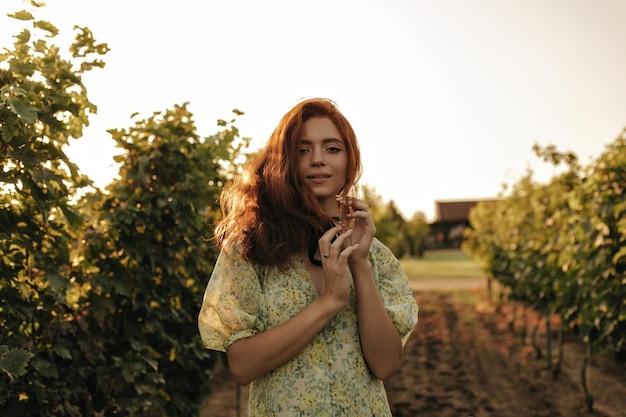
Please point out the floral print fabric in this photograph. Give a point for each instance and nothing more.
(329, 376)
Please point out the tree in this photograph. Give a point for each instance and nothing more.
(416, 231)
(100, 294)
(403, 238)
(43, 103)
(150, 254)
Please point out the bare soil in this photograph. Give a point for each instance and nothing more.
(473, 359)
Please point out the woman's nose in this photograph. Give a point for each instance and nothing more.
(317, 158)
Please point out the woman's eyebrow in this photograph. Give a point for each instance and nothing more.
(324, 141)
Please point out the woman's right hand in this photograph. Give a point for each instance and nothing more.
(251, 357)
(335, 264)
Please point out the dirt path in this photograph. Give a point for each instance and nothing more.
(463, 361)
(448, 284)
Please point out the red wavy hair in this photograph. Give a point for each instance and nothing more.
(265, 209)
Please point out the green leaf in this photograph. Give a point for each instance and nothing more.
(14, 361)
(25, 111)
(73, 217)
(45, 368)
(24, 36)
(21, 15)
(619, 255)
(57, 282)
(63, 352)
(47, 26)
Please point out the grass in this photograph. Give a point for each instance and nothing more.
(452, 264)
(448, 263)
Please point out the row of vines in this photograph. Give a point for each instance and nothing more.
(560, 247)
(100, 289)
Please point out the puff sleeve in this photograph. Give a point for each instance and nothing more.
(394, 289)
(233, 305)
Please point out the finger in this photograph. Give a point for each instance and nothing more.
(330, 234)
(334, 249)
(338, 243)
(343, 240)
(365, 215)
(353, 208)
(353, 202)
(345, 254)
(324, 243)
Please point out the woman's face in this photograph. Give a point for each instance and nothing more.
(323, 161)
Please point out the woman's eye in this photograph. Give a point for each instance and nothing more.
(333, 149)
(304, 150)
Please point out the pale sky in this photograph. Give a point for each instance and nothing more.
(447, 97)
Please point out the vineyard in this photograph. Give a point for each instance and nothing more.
(560, 249)
(100, 289)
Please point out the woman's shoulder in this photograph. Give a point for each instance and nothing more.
(378, 249)
(382, 257)
(231, 253)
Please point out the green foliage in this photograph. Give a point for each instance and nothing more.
(559, 247)
(150, 254)
(390, 228)
(404, 238)
(416, 231)
(42, 105)
(14, 361)
(595, 230)
(100, 294)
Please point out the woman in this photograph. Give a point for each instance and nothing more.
(309, 307)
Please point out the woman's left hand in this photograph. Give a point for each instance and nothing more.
(356, 216)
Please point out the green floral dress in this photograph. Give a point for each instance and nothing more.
(329, 376)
